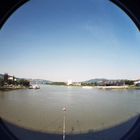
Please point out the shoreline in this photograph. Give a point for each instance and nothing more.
(117, 87)
(12, 88)
(100, 87)
(126, 87)
(106, 87)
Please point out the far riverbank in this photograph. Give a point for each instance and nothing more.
(102, 87)
(7, 88)
(117, 87)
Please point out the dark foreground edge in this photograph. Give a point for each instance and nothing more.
(8, 7)
(6, 134)
(134, 132)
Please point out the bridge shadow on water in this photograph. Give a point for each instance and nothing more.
(12, 132)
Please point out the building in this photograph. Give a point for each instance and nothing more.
(69, 82)
(9, 79)
(137, 83)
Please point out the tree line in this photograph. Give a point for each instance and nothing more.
(5, 81)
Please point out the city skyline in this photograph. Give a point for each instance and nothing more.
(70, 40)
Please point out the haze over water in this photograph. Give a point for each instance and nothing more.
(86, 109)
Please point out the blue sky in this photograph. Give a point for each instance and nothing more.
(70, 39)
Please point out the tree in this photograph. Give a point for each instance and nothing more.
(6, 77)
(1, 82)
(24, 82)
(129, 82)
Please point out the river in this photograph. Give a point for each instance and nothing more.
(86, 109)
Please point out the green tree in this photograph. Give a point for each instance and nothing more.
(24, 82)
(1, 82)
(129, 82)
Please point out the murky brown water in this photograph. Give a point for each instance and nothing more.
(87, 109)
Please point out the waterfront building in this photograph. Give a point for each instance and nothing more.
(76, 83)
(69, 82)
(137, 83)
(6, 77)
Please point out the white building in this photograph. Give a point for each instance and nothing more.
(137, 82)
(12, 78)
(69, 82)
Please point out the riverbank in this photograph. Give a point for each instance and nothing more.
(117, 87)
(108, 87)
(100, 87)
(7, 88)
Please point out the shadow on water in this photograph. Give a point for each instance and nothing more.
(112, 133)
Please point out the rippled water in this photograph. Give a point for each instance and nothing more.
(87, 109)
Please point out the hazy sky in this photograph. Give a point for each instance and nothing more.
(70, 39)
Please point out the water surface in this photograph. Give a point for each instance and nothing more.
(87, 109)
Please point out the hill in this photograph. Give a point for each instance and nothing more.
(39, 81)
(33, 81)
(95, 80)
(1, 76)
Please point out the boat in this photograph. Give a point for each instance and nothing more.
(34, 87)
(87, 87)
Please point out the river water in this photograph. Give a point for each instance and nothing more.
(86, 109)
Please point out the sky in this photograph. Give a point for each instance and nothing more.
(76, 40)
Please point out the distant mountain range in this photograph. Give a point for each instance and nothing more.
(1, 75)
(95, 80)
(98, 80)
(39, 81)
(43, 81)
(33, 81)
